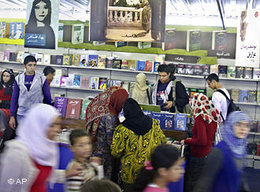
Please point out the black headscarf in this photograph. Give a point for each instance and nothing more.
(136, 120)
(9, 84)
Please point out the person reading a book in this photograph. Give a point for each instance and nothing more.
(49, 73)
(142, 133)
(6, 88)
(163, 93)
(30, 88)
(101, 121)
(218, 99)
(141, 92)
(226, 162)
(38, 26)
(206, 118)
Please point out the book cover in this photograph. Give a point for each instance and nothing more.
(93, 84)
(231, 72)
(248, 74)
(16, 30)
(53, 59)
(120, 44)
(102, 84)
(155, 66)
(235, 95)
(101, 61)
(98, 43)
(12, 56)
(124, 64)
(109, 61)
(252, 96)
(170, 39)
(148, 113)
(205, 70)
(59, 59)
(70, 80)
(73, 108)
(116, 63)
(148, 66)
(83, 60)
(203, 91)
(76, 81)
(197, 70)
(92, 60)
(2, 29)
(77, 33)
(60, 32)
(20, 56)
(214, 69)
(132, 64)
(140, 65)
(84, 82)
(46, 59)
(160, 118)
(75, 59)
(144, 45)
(169, 121)
(180, 122)
(193, 40)
(1, 55)
(243, 96)
(256, 73)
(84, 108)
(222, 71)
(56, 81)
(7, 54)
(189, 69)
(193, 91)
(219, 40)
(60, 103)
(180, 69)
(66, 59)
(240, 72)
(63, 81)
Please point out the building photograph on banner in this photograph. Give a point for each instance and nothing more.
(42, 20)
(127, 20)
(248, 40)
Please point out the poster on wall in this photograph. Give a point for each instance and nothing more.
(42, 21)
(248, 39)
(127, 20)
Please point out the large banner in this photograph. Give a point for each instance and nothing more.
(42, 21)
(248, 39)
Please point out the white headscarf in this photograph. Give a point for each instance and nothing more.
(32, 132)
(140, 89)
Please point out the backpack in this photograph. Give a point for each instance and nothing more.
(231, 107)
(187, 107)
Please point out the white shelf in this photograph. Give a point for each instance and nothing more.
(256, 157)
(245, 103)
(250, 156)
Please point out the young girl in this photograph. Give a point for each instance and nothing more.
(6, 88)
(165, 166)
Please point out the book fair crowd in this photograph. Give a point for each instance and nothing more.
(130, 155)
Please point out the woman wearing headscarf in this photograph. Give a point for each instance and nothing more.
(206, 118)
(141, 92)
(224, 169)
(31, 158)
(101, 121)
(134, 140)
(6, 88)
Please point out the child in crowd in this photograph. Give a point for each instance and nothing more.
(165, 166)
(30, 88)
(6, 88)
(103, 185)
(82, 148)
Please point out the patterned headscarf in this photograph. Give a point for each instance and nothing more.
(201, 105)
(106, 103)
(236, 145)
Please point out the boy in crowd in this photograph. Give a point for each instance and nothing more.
(81, 146)
(30, 88)
(218, 99)
(49, 73)
(163, 90)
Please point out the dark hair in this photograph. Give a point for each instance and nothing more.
(172, 68)
(163, 156)
(47, 70)
(103, 185)
(33, 21)
(212, 76)
(75, 134)
(164, 68)
(28, 59)
(9, 84)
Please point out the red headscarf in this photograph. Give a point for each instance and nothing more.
(106, 103)
(201, 105)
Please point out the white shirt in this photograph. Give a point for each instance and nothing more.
(220, 102)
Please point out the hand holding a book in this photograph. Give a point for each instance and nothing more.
(169, 105)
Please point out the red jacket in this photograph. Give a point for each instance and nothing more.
(203, 135)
